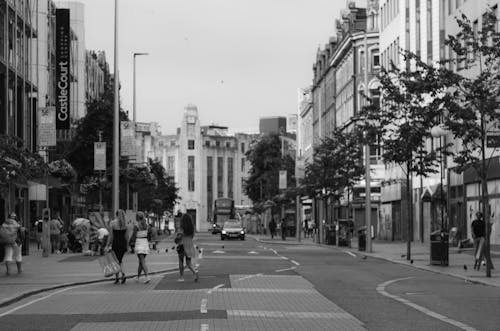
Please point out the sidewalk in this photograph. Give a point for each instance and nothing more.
(460, 262)
(43, 273)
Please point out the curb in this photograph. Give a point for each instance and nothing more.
(28, 294)
(425, 268)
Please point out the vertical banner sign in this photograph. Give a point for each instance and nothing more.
(282, 184)
(63, 45)
(127, 144)
(47, 127)
(100, 156)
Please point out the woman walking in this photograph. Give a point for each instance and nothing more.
(13, 236)
(188, 251)
(141, 233)
(118, 240)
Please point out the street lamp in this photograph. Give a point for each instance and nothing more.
(116, 119)
(134, 118)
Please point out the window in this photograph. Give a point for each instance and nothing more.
(375, 59)
(242, 164)
(361, 61)
(210, 186)
(220, 178)
(228, 144)
(191, 173)
(172, 143)
(171, 163)
(429, 31)
(418, 34)
(230, 177)
(217, 143)
(243, 147)
(207, 143)
(190, 144)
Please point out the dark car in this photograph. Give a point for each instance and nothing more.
(215, 228)
(232, 230)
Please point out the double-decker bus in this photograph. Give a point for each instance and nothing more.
(223, 211)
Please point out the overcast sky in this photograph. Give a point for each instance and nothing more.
(236, 60)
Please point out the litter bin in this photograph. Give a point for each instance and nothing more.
(362, 239)
(330, 235)
(439, 248)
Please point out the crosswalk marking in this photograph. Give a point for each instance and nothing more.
(287, 314)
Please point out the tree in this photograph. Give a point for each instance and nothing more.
(411, 105)
(473, 113)
(337, 164)
(265, 157)
(17, 164)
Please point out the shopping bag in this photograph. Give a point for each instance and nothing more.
(109, 264)
(7, 237)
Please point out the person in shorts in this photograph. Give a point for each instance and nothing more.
(13, 250)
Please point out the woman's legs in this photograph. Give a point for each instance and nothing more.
(139, 267)
(190, 267)
(142, 262)
(181, 265)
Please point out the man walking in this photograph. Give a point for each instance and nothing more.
(272, 228)
(283, 229)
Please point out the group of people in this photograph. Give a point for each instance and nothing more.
(277, 227)
(141, 237)
(59, 236)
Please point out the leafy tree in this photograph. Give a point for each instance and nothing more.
(17, 163)
(337, 163)
(266, 161)
(411, 105)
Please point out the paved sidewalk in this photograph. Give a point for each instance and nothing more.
(42, 273)
(460, 262)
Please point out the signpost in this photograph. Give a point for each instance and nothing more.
(47, 127)
(127, 145)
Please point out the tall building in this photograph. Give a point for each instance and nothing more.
(272, 124)
(345, 70)
(94, 75)
(207, 163)
(17, 90)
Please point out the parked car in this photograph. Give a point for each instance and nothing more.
(232, 229)
(215, 228)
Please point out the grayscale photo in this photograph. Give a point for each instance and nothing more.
(212, 165)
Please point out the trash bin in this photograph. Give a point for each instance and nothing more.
(330, 235)
(439, 248)
(362, 238)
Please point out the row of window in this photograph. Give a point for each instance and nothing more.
(391, 54)
(388, 11)
(220, 173)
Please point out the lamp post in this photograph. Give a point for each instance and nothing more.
(439, 132)
(368, 206)
(116, 119)
(134, 118)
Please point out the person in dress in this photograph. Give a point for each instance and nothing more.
(118, 242)
(141, 246)
(188, 249)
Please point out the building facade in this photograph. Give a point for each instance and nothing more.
(207, 163)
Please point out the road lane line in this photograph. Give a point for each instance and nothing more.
(250, 276)
(350, 253)
(286, 269)
(295, 262)
(215, 288)
(428, 312)
(203, 306)
(36, 300)
(284, 258)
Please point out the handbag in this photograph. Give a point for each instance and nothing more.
(6, 236)
(109, 264)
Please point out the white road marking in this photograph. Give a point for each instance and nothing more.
(204, 327)
(215, 288)
(428, 312)
(289, 314)
(274, 251)
(203, 307)
(219, 252)
(350, 253)
(249, 276)
(253, 252)
(295, 262)
(35, 300)
(284, 258)
(287, 269)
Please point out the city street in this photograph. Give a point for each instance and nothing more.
(257, 285)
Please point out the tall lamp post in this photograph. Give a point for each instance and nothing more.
(438, 132)
(116, 119)
(134, 118)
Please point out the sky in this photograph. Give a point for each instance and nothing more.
(236, 60)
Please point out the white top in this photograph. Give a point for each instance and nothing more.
(101, 233)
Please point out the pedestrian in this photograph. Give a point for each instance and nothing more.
(39, 233)
(306, 227)
(118, 242)
(478, 232)
(310, 228)
(141, 245)
(283, 229)
(272, 228)
(55, 226)
(13, 237)
(187, 252)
